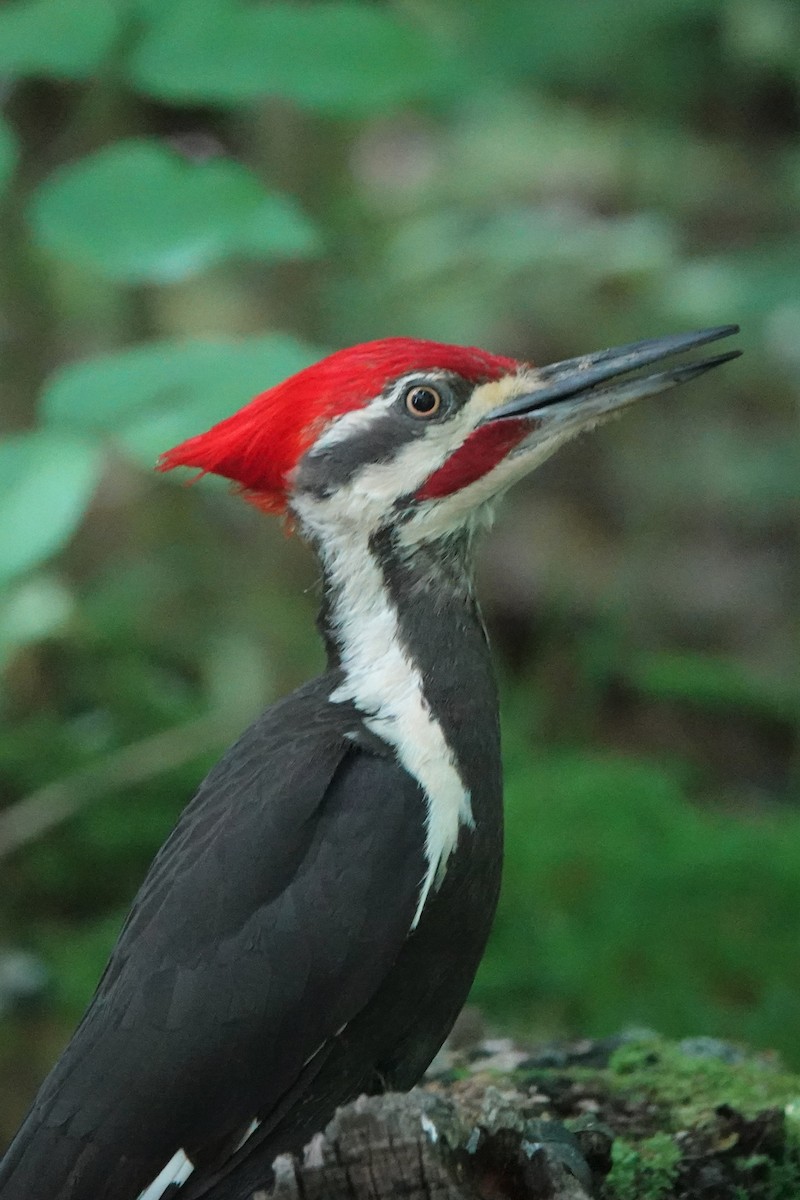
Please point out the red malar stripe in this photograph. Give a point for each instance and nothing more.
(483, 449)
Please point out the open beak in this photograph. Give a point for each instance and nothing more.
(573, 391)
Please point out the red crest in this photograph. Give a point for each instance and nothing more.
(260, 445)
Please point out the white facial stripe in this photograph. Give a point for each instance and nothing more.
(385, 685)
(350, 424)
(436, 518)
(369, 495)
(441, 516)
(177, 1171)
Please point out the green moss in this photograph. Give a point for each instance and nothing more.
(691, 1087)
(778, 1180)
(645, 1171)
(682, 1114)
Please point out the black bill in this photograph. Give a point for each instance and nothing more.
(583, 376)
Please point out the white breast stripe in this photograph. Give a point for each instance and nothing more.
(177, 1170)
(386, 686)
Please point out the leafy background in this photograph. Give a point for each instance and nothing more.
(199, 197)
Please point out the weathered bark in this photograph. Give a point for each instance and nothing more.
(424, 1146)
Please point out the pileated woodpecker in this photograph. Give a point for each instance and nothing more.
(311, 928)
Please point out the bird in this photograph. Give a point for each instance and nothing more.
(311, 927)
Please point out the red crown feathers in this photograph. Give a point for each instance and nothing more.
(261, 444)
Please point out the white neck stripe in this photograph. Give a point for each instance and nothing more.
(386, 686)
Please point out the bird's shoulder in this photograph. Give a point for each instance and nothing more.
(305, 770)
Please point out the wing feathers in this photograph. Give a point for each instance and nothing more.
(175, 1173)
(268, 919)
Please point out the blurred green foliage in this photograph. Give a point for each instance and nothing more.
(197, 197)
(625, 904)
(136, 213)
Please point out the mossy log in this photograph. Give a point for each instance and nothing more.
(630, 1118)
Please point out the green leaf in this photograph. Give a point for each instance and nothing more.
(137, 212)
(67, 39)
(46, 483)
(8, 154)
(345, 58)
(156, 395)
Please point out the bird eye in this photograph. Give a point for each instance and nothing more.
(423, 401)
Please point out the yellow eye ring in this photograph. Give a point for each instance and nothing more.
(423, 401)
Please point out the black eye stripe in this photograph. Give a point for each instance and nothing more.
(320, 472)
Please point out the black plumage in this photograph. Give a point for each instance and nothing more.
(266, 970)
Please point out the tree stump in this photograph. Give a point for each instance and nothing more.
(628, 1118)
(423, 1146)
